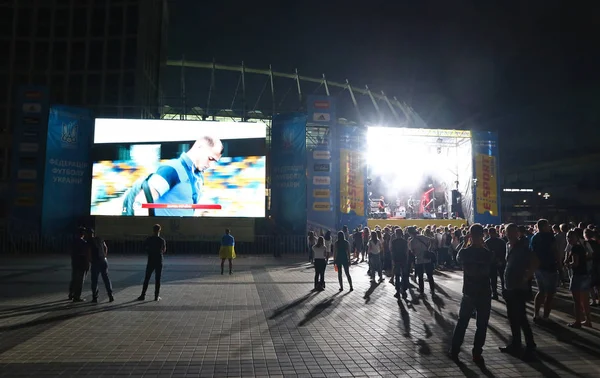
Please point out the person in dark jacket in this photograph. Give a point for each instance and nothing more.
(80, 265)
(521, 263)
(498, 247)
(98, 251)
(399, 248)
(155, 246)
(477, 294)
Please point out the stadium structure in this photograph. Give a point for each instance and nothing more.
(219, 92)
(213, 91)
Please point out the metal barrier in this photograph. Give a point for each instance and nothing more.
(61, 244)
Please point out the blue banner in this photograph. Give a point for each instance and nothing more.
(353, 206)
(321, 188)
(27, 163)
(321, 110)
(485, 178)
(67, 182)
(288, 173)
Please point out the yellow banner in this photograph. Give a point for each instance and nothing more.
(352, 182)
(486, 193)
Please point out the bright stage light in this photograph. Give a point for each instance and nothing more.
(406, 160)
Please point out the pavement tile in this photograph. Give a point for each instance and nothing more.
(262, 321)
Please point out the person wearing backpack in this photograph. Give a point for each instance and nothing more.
(176, 182)
(98, 251)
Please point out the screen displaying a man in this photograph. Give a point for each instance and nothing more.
(179, 181)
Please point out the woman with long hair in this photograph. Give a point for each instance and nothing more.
(320, 259)
(375, 247)
(580, 281)
(341, 258)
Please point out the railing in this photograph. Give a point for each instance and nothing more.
(61, 244)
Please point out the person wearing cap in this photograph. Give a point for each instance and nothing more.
(80, 265)
(155, 246)
(98, 251)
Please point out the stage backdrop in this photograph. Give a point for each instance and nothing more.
(67, 183)
(352, 142)
(485, 172)
(288, 173)
(27, 163)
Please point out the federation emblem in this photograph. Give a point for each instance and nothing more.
(69, 132)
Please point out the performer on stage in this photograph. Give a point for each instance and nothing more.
(381, 205)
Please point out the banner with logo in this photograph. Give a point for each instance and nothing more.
(27, 163)
(67, 179)
(352, 143)
(288, 173)
(321, 188)
(321, 110)
(485, 163)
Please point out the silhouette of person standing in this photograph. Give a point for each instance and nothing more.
(98, 251)
(155, 246)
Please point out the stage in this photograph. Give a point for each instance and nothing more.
(415, 222)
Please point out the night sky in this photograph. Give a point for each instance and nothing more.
(529, 69)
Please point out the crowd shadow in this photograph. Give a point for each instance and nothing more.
(566, 335)
(439, 289)
(424, 348)
(467, 372)
(84, 310)
(37, 306)
(538, 364)
(437, 272)
(318, 309)
(404, 315)
(439, 302)
(370, 290)
(281, 310)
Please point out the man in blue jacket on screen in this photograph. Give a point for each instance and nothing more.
(179, 181)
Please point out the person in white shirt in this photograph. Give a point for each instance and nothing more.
(375, 246)
(420, 246)
(320, 256)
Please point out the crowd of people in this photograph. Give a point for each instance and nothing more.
(549, 255)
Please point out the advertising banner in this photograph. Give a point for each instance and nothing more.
(352, 175)
(321, 110)
(67, 183)
(27, 163)
(322, 172)
(485, 156)
(288, 173)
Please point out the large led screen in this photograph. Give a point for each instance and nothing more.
(178, 168)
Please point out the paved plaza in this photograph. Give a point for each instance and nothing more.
(262, 321)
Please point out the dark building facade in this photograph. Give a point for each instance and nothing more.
(106, 55)
(560, 190)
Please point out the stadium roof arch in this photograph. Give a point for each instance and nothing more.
(213, 91)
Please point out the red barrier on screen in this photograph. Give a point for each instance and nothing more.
(179, 206)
